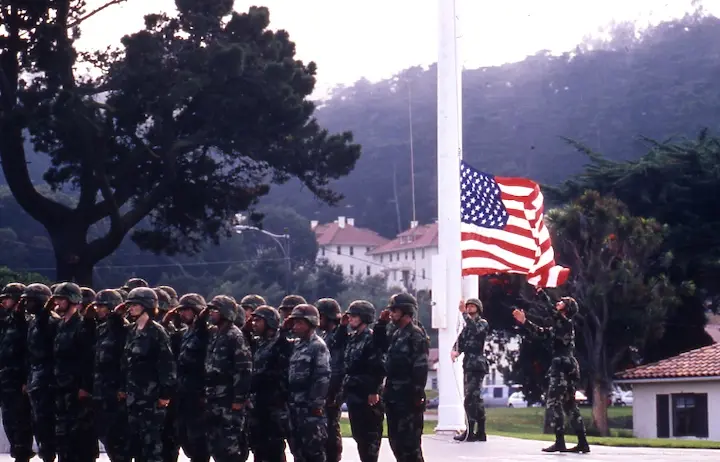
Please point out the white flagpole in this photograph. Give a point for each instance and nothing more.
(447, 274)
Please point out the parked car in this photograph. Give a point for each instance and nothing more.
(433, 403)
(581, 399)
(623, 398)
(517, 399)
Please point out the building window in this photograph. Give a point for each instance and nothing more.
(413, 254)
(434, 383)
(322, 249)
(397, 256)
(690, 415)
(352, 270)
(422, 253)
(367, 270)
(367, 249)
(498, 392)
(339, 250)
(381, 258)
(352, 251)
(406, 255)
(390, 257)
(423, 273)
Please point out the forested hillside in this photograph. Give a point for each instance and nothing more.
(660, 83)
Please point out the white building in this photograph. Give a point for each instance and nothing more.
(677, 397)
(343, 244)
(406, 259)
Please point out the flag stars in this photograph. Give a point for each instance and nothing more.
(481, 201)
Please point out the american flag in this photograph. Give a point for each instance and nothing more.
(503, 229)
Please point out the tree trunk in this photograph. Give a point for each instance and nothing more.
(600, 408)
(73, 259)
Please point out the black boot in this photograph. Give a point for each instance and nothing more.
(559, 445)
(582, 446)
(467, 434)
(480, 431)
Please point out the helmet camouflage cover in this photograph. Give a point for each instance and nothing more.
(37, 291)
(291, 301)
(13, 290)
(363, 309)
(404, 302)
(328, 307)
(109, 298)
(134, 283)
(252, 301)
(143, 296)
(269, 314)
(173, 295)
(88, 295)
(163, 299)
(195, 302)
(307, 312)
(69, 291)
(225, 305)
(476, 302)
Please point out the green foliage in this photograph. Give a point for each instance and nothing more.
(191, 121)
(7, 276)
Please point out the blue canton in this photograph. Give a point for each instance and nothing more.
(480, 201)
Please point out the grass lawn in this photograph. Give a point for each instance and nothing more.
(527, 424)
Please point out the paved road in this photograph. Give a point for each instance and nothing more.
(501, 449)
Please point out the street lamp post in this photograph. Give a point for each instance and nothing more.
(277, 238)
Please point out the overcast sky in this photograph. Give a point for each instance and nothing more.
(351, 39)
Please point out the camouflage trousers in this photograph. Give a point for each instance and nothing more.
(111, 426)
(171, 446)
(17, 422)
(405, 427)
(308, 435)
(74, 427)
(42, 407)
(190, 427)
(366, 423)
(146, 423)
(224, 430)
(473, 403)
(333, 446)
(268, 428)
(561, 400)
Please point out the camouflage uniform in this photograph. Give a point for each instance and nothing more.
(171, 445)
(14, 403)
(73, 369)
(110, 413)
(364, 375)
(150, 375)
(563, 375)
(249, 304)
(268, 422)
(406, 366)
(41, 382)
(471, 343)
(190, 421)
(335, 339)
(228, 372)
(308, 383)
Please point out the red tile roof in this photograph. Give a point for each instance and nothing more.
(333, 234)
(422, 236)
(702, 362)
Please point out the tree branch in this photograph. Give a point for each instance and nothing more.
(94, 12)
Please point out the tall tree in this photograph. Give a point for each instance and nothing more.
(191, 121)
(622, 307)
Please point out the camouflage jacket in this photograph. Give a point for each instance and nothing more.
(406, 366)
(270, 370)
(336, 340)
(74, 353)
(109, 348)
(363, 368)
(228, 366)
(40, 343)
(13, 351)
(471, 342)
(309, 373)
(191, 358)
(148, 365)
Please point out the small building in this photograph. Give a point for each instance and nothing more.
(678, 397)
(343, 244)
(407, 259)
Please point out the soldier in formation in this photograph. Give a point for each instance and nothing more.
(471, 344)
(79, 366)
(564, 372)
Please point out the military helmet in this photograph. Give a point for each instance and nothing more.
(476, 302)
(571, 307)
(37, 291)
(269, 314)
(329, 307)
(307, 312)
(69, 291)
(404, 302)
(143, 296)
(173, 295)
(195, 302)
(13, 290)
(134, 283)
(109, 298)
(163, 299)
(252, 301)
(88, 295)
(363, 309)
(225, 305)
(54, 286)
(123, 293)
(290, 302)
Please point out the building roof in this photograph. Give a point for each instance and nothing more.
(418, 237)
(701, 362)
(346, 233)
